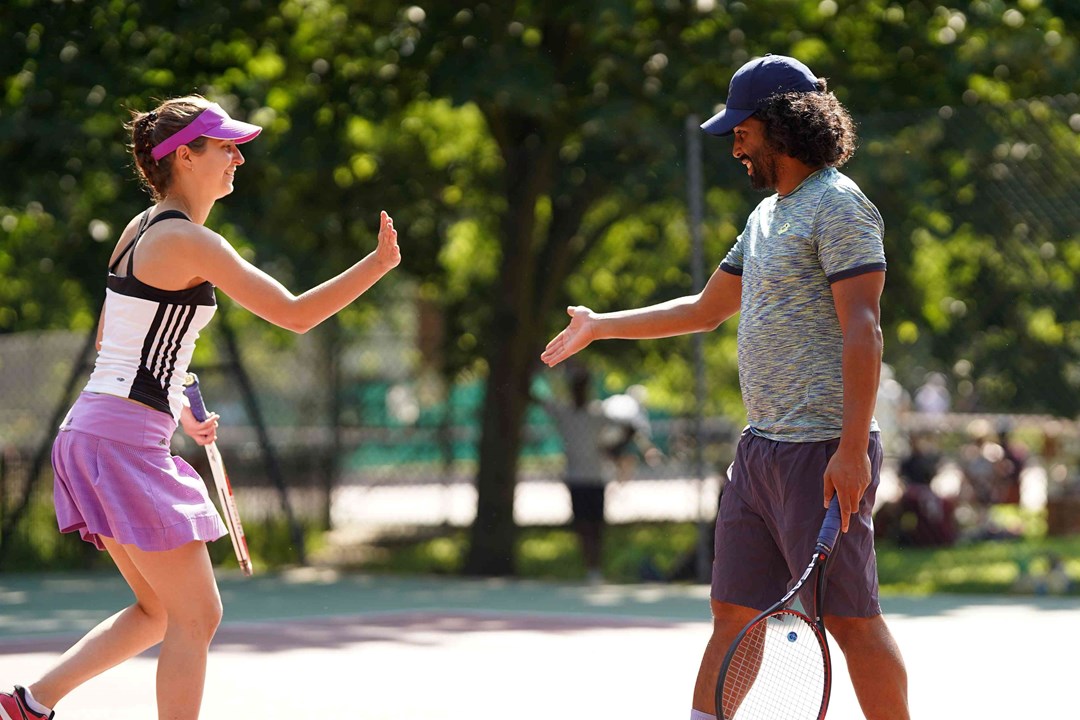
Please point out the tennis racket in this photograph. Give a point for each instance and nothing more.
(779, 664)
(221, 479)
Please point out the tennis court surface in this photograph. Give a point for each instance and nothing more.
(317, 644)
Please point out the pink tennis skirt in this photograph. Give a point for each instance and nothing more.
(116, 477)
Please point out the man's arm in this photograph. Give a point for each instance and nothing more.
(857, 300)
(718, 301)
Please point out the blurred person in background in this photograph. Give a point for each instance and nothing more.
(989, 475)
(581, 425)
(919, 517)
(893, 404)
(932, 397)
(1010, 467)
(629, 436)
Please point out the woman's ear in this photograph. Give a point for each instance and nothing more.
(183, 157)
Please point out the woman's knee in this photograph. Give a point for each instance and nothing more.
(153, 615)
(183, 582)
(211, 613)
(200, 616)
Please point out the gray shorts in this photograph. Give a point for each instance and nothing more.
(769, 518)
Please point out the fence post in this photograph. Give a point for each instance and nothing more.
(695, 192)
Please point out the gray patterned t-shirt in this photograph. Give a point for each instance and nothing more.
(790, 345)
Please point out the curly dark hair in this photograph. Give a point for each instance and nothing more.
(813, 127)
(150, 128)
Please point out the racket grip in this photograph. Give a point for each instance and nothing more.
(194, 396)
(830, 528)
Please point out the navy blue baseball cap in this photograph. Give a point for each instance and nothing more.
(755, 81)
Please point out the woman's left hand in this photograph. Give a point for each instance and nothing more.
(388, 253)
(204, 432)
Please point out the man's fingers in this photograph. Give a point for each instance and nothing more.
(845, 503)
(553, 352)
(845, 512)
(828, 488)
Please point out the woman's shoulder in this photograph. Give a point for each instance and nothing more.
(155, 221)
(126, 236)
(179, 229)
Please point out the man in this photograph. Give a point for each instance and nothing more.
(806, 276)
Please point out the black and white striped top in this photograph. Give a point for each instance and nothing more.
(149, 334)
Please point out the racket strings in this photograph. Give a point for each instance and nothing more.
(777, 671)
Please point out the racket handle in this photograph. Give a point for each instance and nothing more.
(830, 528)
(194, 396)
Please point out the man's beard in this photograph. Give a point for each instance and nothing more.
(764, 175)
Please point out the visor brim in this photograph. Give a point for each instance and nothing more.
(235, 130)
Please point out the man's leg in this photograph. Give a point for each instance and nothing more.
(749, 570)
(875, 665)
(728, 620)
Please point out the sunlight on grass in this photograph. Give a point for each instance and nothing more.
(992, 566)
(658, 551)
(444, 551)
(549, 554)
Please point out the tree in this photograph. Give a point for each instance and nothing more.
(585, 101)
(579, 101)
(71, 73)
(532, 152)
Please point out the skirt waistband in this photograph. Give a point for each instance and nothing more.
(114, 418)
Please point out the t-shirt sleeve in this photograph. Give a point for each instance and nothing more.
(733, 261)
(849, 235)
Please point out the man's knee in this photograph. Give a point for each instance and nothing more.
(729, 619)
(869, 633)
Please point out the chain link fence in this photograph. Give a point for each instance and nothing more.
(401, 457)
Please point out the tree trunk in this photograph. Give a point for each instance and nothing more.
(493, 536)
(509, 344)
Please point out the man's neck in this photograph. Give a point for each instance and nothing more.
(792, 173)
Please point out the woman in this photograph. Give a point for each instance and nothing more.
(116, 482)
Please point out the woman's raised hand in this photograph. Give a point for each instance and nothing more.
(387, 253)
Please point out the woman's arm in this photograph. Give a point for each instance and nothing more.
(218, 262)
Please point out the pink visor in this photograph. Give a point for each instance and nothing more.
(213, 122)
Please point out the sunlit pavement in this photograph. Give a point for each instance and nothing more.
(313, 643)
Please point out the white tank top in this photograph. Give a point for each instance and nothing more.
(149, 334)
